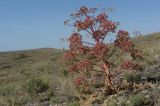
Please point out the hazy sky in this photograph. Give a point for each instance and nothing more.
(27, 24)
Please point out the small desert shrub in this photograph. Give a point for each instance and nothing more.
(65, 73)
(76, 103)
(36, 85)
(124, 102)
(18, 100)
(7, 90)
(63, 85)
(132, 77)
(111, 103)
(22, 55)
(138, 100)
(150, 61)
(54, 58)
(54, 99)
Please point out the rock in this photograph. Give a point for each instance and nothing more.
(144, 92)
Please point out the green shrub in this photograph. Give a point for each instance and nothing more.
(18, 100)
(65, 73)
(36, 85)
(76, 103)
(54, 99)
(7, 90)
(124, 102)
(22, 55)
(111, 103)
(138, 100)
(132, 77)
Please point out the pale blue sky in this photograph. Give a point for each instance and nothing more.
(28, 24)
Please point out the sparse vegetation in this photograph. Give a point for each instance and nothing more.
(138, 100)
(111, 103)
(74, 104)
(132, 77)
(29, 75)
(36, 85)
(22, 55)
(15, 73)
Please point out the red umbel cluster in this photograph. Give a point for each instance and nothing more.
(68, 55)
(84, 65)
(101, 17)
(75, 41)
(72, 68)
(105, 27)
(81, 66)
(79, 80)
(87, 23)
(123, 34)
(127, 65)
(84, 21)
(130, 65)
(108, 26)
(126, 44)
(123, 41)
(84, 11)
(99, 50)
(98, 34)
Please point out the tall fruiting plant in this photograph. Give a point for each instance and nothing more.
(88, 47)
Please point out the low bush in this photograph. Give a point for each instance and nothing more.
(22, 55)
(7, 90)
(74, 104)
(18, 100)
(54, 100)
(36, 85)
(111, 103)
(132, 77)
(138, 100)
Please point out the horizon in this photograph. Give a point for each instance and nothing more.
(56, 48)
(39, 24)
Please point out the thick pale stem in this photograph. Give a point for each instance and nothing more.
(108, 81)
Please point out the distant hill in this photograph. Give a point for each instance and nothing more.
(150, 45)
(18, 67)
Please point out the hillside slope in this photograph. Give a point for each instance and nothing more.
(17, 68)
(150, 45)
